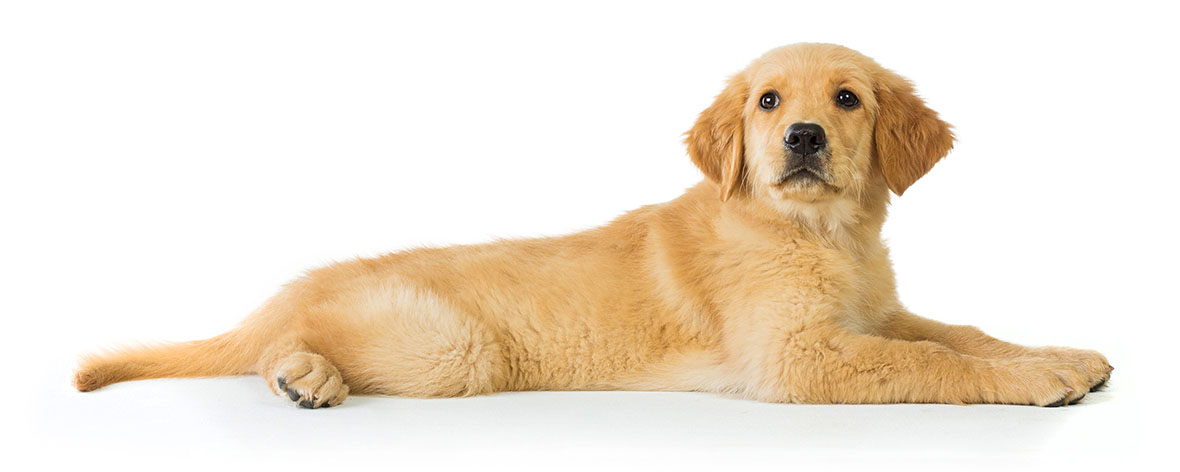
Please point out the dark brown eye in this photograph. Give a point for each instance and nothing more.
(847, 99)
(769, 101)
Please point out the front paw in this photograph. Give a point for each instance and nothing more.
(1038, 381)
(1097, 367)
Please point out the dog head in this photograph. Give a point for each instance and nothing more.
(810, 124)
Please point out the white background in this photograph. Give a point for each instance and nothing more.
(167, 165)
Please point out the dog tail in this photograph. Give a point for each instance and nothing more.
(232, 353)
(236, 352)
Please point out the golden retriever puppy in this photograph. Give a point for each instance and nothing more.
(768, 280)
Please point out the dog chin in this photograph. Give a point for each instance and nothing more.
(804, 187)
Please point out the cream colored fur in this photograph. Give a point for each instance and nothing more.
(781, 292)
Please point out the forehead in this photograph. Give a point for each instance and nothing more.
(815, 68)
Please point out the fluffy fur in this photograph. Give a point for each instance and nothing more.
(774, 289)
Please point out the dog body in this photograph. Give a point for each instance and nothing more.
(767, 280)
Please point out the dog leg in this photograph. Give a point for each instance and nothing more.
(392, 338)
(827, 364)
(971, 341)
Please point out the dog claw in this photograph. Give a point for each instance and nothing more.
(1057, 403)
(307, 404)
(283, 383)
(1099, 385)
(1078, 399)
(293, 394)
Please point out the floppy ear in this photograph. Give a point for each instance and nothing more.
(715, 142)
(909, 137)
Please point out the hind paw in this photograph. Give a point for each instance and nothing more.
(310, 381)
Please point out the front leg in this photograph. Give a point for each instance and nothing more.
(829, 364)
(971, 341)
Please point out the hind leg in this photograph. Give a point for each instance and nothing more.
(308, 379)
(389, 337)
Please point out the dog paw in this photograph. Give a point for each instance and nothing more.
(1097, 368)
(310, 381)
(1041, 382)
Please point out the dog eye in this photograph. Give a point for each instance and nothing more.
(768, 101)
(847, 99)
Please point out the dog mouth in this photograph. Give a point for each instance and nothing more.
(803, 176)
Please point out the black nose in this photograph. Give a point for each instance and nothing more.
(805, 139)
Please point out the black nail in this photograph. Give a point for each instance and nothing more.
(1098, 385)
(1075, 402)
(1057, 403)
(294, 394)
(282, 383)
(306, 404)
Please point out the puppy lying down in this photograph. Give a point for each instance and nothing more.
(767, 280)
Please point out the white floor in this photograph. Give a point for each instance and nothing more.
(236, 422)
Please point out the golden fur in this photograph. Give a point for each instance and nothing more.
(775, 290)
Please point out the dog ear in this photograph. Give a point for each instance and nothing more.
(909, 136)
(715, 142)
